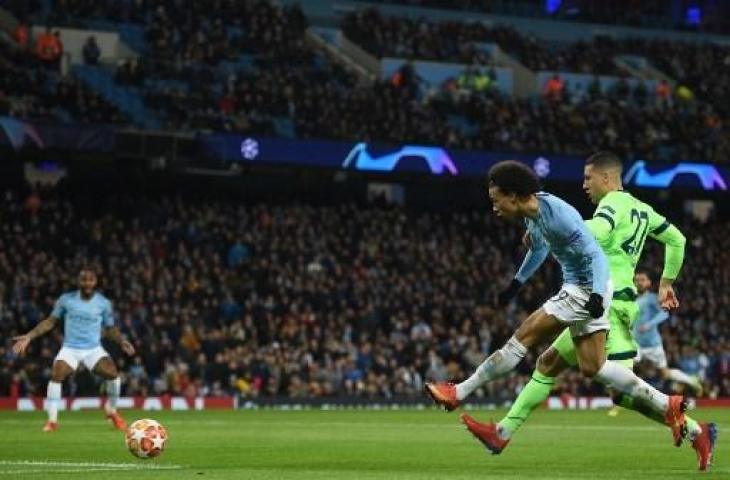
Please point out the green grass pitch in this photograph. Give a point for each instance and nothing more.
(427, 444)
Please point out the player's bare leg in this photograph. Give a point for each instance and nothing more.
(59, 372)
(536, 327)
(107, 369)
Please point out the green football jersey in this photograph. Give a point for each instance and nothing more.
(621, 224)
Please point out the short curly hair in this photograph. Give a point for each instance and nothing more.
(514, 177)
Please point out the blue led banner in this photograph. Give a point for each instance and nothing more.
(445, 162)
(365, 157)
(380, 158)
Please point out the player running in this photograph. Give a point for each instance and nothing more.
(646, 333)
(84, 311)
(581, 305)
(620, 224)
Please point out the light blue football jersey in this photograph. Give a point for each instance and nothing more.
(650, 315)
(83, 318)
(560, 230)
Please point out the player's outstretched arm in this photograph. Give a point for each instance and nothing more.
(21, 342)
(115, 335)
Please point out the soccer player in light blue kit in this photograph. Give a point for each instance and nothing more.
(581, 304)
(85, 311)
(647, 336)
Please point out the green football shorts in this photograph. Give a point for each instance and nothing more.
(620, 345)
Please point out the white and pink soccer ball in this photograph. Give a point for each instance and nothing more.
(146, 438)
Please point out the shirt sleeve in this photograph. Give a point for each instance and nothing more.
(605, 218)
(59, 308)
(107, 315)
(674, 242)
(534, 258)
(658, 317)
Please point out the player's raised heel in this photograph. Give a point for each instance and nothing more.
(443, 394)
(117, 421)
(50, 427)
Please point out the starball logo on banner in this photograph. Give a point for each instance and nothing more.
(436, 158)
(707, 175)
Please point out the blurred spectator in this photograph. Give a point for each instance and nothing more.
(684, 93)
(554, 88)
(91, 51)
(21, 35)
(48, 48)
(663, 91)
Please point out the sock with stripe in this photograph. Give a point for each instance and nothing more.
(498, 364)
(647, 410)
(533, 395)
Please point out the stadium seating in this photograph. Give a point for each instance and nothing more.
(197, 73)
(652, 14)
(305, 301)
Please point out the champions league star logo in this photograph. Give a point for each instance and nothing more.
(707, 175)
(249, 149)
(18, 132)
(542, 167)
(436, 158)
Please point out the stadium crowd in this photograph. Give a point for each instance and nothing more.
(646, 13)
(30, 87)
(306, 301)
(694, 64)
(245, 67)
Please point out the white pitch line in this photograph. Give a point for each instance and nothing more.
(88, 465)
(63, 470)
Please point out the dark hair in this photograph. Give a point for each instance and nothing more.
(514, 177)
(87, 268)
(605, 159)
(643, 271)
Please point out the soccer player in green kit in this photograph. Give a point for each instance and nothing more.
(621, 224)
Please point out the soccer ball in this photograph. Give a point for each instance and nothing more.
(146, 438)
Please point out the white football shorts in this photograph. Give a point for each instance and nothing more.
(87, 357)
(568, 306)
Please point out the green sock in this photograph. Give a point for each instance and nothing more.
(638, 405)
(693, 428)
(535, 392)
